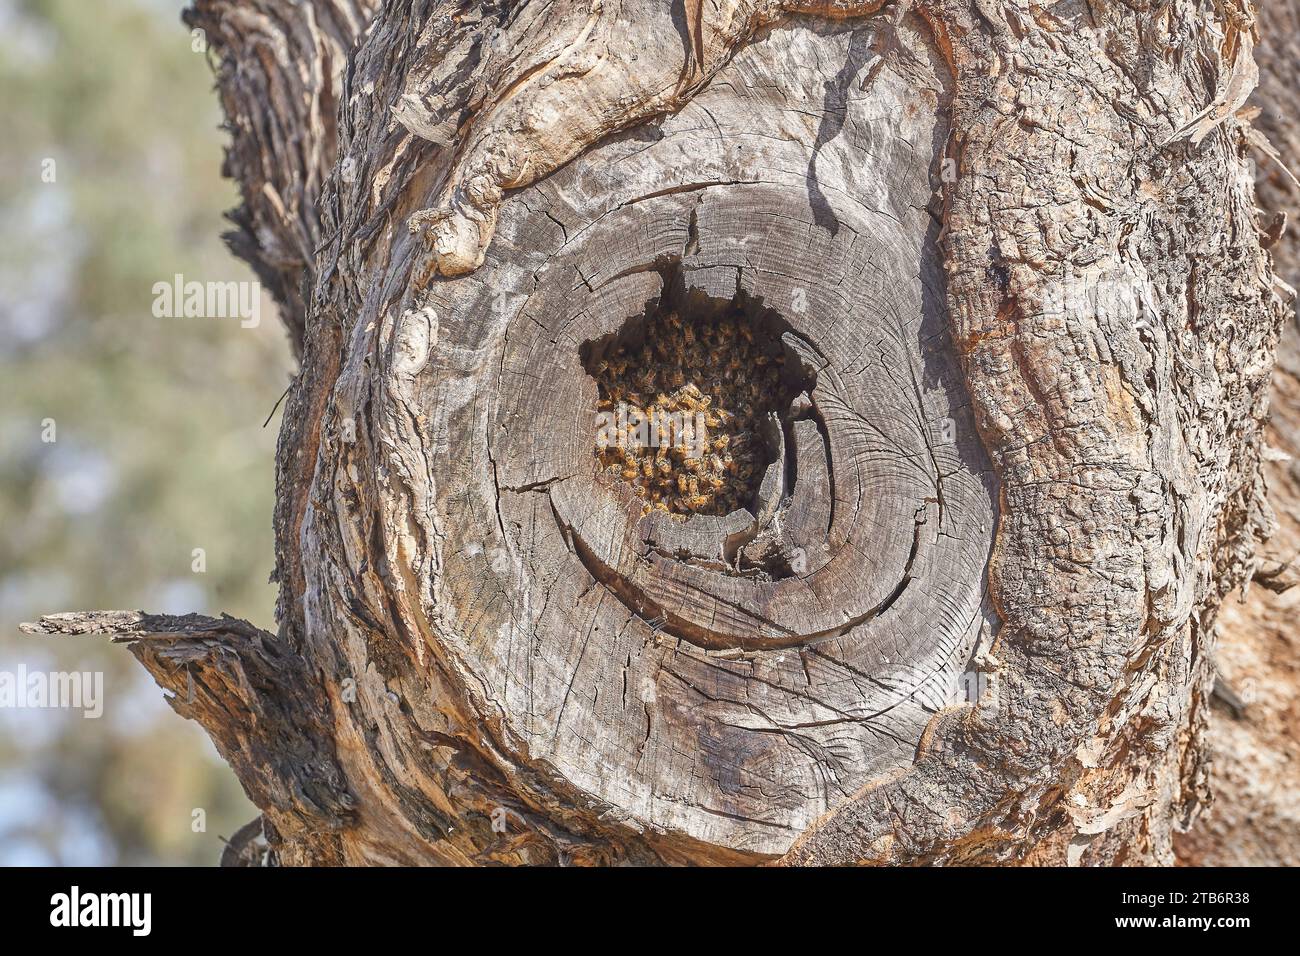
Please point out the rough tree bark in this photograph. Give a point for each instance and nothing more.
(1008, 261)
(1255, 818)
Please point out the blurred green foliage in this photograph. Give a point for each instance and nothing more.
(159, 443)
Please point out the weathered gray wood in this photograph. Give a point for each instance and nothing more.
(728, 709)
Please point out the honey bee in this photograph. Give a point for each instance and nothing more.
(702, 386)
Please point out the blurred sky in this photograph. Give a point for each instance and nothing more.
(159, 446)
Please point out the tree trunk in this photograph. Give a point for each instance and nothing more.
(977, 300)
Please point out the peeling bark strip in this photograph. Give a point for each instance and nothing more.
(1022, 458)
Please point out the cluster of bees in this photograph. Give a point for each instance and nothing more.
(716, 369)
